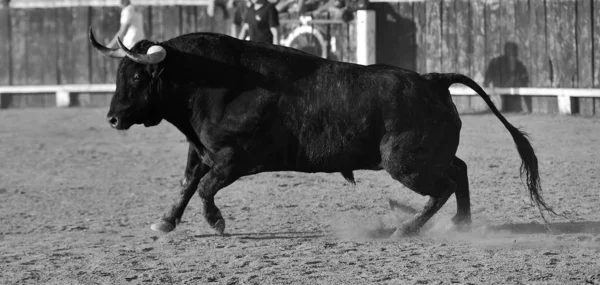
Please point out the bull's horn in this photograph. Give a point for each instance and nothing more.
(156, 55)
(109, 52)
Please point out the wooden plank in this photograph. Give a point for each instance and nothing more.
(19, 30)
(464, 47)
(188, 19)
(420, 31)
(64, 38)
(521, 34)
(586, 106)
(597, 107)
(103, 35)
(522, 28)
(449, 42)
(80, 45)
(5, 46)
(389, 31)
(50, 46)
(111, 24)
(492, 32)
(147, 16)
(165, 22)
(408, 44)
(478, 58)
(36, 58)
(596, 45)
(567, 58)
(540, 72)
(584, 44)
(561, 42)
(433, 35)
(508, 30)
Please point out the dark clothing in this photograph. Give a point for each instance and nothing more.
(501, 74)
(260, 21)
(239, 15)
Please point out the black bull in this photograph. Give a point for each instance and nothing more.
(249, 107)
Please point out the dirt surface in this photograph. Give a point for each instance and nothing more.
(77, 199)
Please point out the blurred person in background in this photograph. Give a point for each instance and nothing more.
(132, 26)
(261, 23)
(239, 14)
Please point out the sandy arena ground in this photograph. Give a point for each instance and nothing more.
(77, 199)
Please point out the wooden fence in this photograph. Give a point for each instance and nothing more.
(557, 40)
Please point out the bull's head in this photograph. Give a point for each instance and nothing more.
(136, 99)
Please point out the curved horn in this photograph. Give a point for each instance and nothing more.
(108, 52)
(152, 58)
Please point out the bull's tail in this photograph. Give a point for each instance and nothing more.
(529, 162)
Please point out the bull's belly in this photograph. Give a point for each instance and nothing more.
(325, 159)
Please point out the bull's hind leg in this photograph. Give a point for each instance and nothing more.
(458, 173)
(436, 200)
(194, 171)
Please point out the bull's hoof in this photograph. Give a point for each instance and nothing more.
(163, 226)
(462, 222)
(219, 226)
(403, 231)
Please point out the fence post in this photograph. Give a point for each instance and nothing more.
(564, 104)
(365, 34)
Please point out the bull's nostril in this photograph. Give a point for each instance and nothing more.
(112, 121)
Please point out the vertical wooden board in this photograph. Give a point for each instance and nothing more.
(478, 58)
(188, 19)
(464, 47)
(584, 44)
(36, 55)
(492, 31)
(597, 107)
(19, 30)
(586, 106)
(507, 24)
(50, 46)
(420, 27)
(522, 27)
(146, 16)
(112, 19)
(81, 47)
(388, 39)
(540, 72)
(408, 42)
(103, 36)
(567, 58)
(5, 46)
(449, 42)
(157, 26)
(596, 44)
(171, 21)
(433, 35)
(64, 38)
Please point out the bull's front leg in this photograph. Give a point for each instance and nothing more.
(194, 171)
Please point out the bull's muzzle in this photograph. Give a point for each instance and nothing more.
(113, 122)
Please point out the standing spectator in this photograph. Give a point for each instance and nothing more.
(261, 23)
(239, 14)
(507, 70)
(132, 26)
